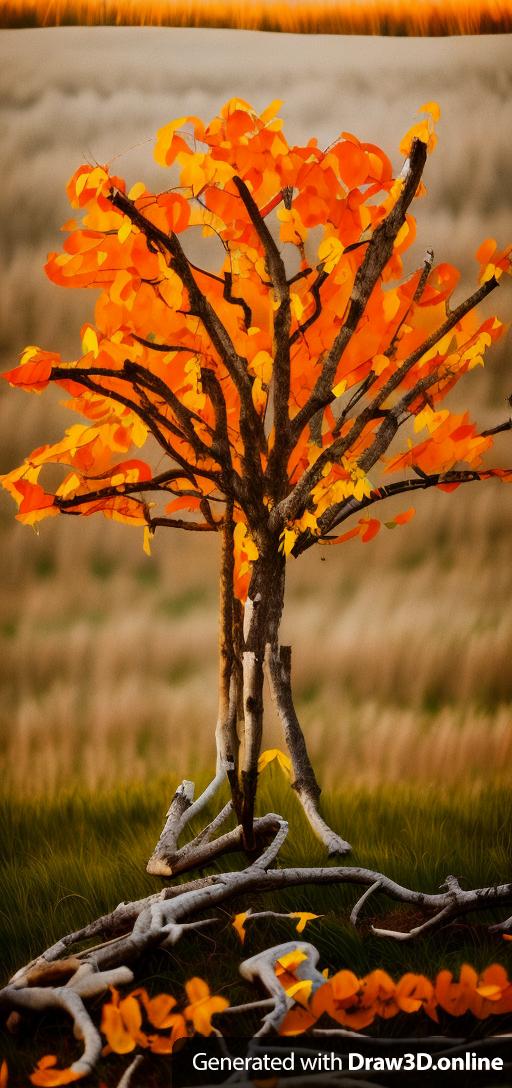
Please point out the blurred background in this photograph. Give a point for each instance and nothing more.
(402, 647)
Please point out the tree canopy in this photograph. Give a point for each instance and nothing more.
(276, 378)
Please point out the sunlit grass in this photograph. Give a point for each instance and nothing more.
(401, 653)
(425, 17)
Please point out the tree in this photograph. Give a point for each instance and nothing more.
(279, 395)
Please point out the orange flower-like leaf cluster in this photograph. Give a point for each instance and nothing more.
(154, 1024)
(356, 1003)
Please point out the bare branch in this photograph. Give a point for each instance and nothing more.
(356, 909)
(343, 510)
(147, 413)
(170, 245)
(167, 348)
(376, 257)
(315, 291)
(179, 523)
(506, 426)
(281, 334)
(237, 300)
(296, 501)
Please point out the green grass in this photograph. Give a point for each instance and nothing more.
(75, 857)
(71, 859)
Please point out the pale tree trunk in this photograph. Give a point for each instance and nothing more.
(305, 782)
(249, 649)
(262, 616)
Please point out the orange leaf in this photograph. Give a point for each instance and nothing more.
(113, 1026)
(35, 504)
(31, 376)
(238, 924)
(412, 992)
(47, 1075)
(202, 1005)
(158, 1009)
(372, 528)
(296, 1021)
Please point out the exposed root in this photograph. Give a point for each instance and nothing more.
(168, 858)
(59, 979)
(182, 810)
(261, 968)
(126, 1078)
(84, 983)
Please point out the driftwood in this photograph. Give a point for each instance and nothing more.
(62, 977)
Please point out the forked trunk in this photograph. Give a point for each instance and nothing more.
(248, 648)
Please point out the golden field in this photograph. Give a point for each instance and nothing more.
(425, 17)
(402, 647)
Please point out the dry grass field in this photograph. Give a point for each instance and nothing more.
(290, 16)
(402, 647)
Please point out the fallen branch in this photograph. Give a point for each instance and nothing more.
(133, 928)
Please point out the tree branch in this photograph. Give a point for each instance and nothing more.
(149, 415)
(297, 500)
(376, 257)
(281, 333)
(236, 300)
(346, 509)
(315, 291)
(170, 245)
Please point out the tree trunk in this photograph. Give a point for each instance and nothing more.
(248, 646)
(262, 616)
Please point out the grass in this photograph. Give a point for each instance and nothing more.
(401, 668)
(70, 859)
(75, 857)
(365, 17)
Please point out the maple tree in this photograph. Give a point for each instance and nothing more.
(297, 386)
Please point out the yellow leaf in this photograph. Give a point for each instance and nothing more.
(146, 547)
(379, 364)
(261, 366)
(270, 754)
(28, 354)
(339, 389)
(290, 961)
(124, 230)
(136, 190)
(271, 110)
(489, 271)
(304, 917)
(329, 253)
(433, 108)
(90, 341)
(301, 991)
(287, 541)
(430, 419)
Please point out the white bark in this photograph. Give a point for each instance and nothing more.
(57, 979)
(305, 784)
